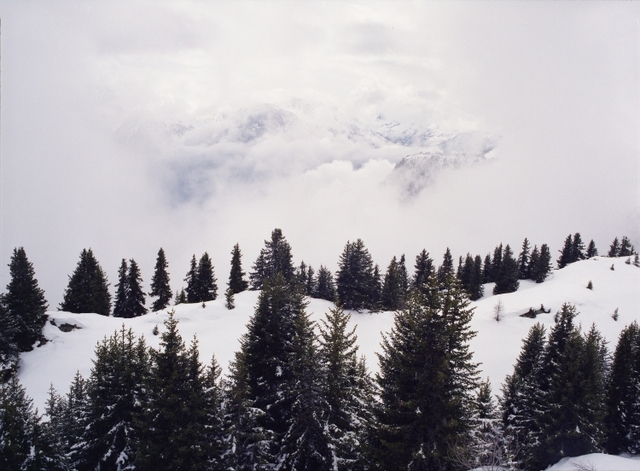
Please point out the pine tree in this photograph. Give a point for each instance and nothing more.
(274, 258)
(9, 353)
(392, 295)
(115, 391)
(592, 251)
(160, 287)
(348, 391)
(207, 287)
(614, 248)
(325, 287)
(507, 279)
(540, 263)
(524, 261)
(577, 248)
(181, 297)
(375, 297)
(626, 249)
(237, 283)
(623, 405)
(122, 291)
(476, 288)
(566, 253)
(423, 270)
(496, 263)
(24, 303)
(310, 285)
(192, 290)
(355, 281)
(136, 298)
(75, 418)
(487, 273)
(88, 289)
(446, 269)
(426, 378)
(229, 299)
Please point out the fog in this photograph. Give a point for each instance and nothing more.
(192, 126)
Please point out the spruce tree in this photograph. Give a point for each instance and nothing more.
(566, 253)
(375, 296)
(423, 270)
(122, 289)
(524, 261)
(626, 249)
(592, 251)
(392, 295)
(540, 263)
(310, 285)
(207, 287)
(355, 281)
(496, 263)
(577, 248)
(135, 296)
(192, 290)
(88, 289)
(507, 279)
(274, 258)
(237, 283)
(446, 269)
(614, 248)
(181, 297)
(24, 303)
(426, 378)
(160, 287)
(487, 270)
(623, 393)
(9, 354)
(325, 287)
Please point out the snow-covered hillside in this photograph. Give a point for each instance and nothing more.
(218, 330)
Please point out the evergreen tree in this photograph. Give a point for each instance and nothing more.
(507, 280)
(88, 289)
(115, 391)
(160, 287)
(191, 279)
(310, 285)
(325, 287)
(540, 263)
(375, 298)
(207, 287)
(626, 249)
(592, 251)
(181, 297)
(577, 248)
(423, 270)
(487, 273)
(75, 418)
(122, 289)
(566, 254)
(24, 303)
(355, 281)
(614, 248)
(446, 269)
(301, 274)
(348, 391)
(623, 403)
(274, 258)
(237, 283)
(229, 299)
(135, 298)
(392, 292)
(524, 261)
(9, 354)
(496, 263)
(426, 378)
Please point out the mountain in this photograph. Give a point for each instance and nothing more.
(73, 337)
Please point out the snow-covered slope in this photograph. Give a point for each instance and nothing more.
(218, 330)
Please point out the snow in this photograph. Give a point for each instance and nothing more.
(597, 462)
(218, 329)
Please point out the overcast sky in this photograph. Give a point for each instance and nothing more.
(118, 122)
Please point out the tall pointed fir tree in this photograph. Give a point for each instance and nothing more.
(355, 281)
(614, 248)
(136, 297)
(237, 283)
(274, 258)
(507, 278)
(592, 251)
(523, 260)
(115, 391)
(487, 270)
(496, 263)
(392, 292)
(623, 394)
(423, 269)
(325, 287)
(9, 354)
(160, 287)
(88, 289)
(626, 249)
(426, 378)
(446, 269)
(122, 288)
(192, 281)
(566, 252)
(24, 303)
(348, 391)
(542, 268)
(207, 287)
(577, 248)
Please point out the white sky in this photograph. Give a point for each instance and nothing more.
(558, 82)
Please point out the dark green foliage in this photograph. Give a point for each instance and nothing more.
(524, 260)
(577, 248)
(130, 298)
(623, 396)
(181, 297)
(426, 378)
(160, 287)
(348, 391)
(626, 249)
(355, 280)
(237, 283)
(274, 258)
(207, 288)
(9, 354)
(24, 305)
(471, 277)
(565, 253)
(540, 265)
(507, 279)
(310, 284)
(487, 275)
(115, 392)
(614, 248)
(375, 299)
(88, 289)
(325, 287)
(394, 291)
(592, 251)
(192, 281)
(496, 263)
(229, 299)
(446, 269)
(423, 270)
(305, 276)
